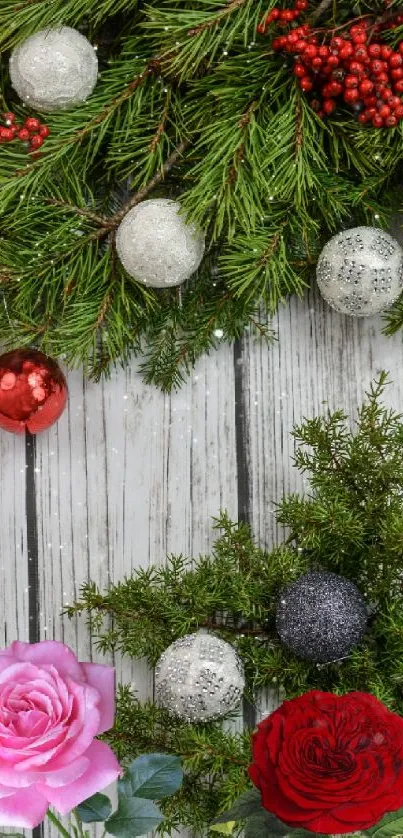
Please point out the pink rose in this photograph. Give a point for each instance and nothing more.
(51, 707)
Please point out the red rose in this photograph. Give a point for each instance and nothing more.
(330, 763)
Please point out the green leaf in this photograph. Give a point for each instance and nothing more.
(96, 808)
(390, 826)
(305, 833)
(265, 825)
(247, 804)
(133, 816)
(224, 828)
(152, 776)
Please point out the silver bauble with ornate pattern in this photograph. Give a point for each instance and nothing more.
(360, 271)
(199, 677)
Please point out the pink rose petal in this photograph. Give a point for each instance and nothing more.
(48, 651)
(25, 808)
(103, 679)
(103, 770)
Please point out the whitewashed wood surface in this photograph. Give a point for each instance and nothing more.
(130, 474)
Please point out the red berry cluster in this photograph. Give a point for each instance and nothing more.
(283, 17)
(32, 131)
(356, 68)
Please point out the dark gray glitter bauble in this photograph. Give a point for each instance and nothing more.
(321, 617)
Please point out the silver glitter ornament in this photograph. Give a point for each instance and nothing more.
(156, 245)
(54, 69)
(321, 617)
(360, 271)
(199, 677)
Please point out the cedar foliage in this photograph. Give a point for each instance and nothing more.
(350, 522)
(191, 102)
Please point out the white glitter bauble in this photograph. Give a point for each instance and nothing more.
(156, 245)
(360, 271)
(54, 69)
(199, 677)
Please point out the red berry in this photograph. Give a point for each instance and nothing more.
(359, 38)
(346, 51)
(351, 81)
(329, 106)
(399, 86)
(316, 63)
(299, 70)
(391, 121)
(351, 96)
(306, 84)
(376, 66)
(361, 54)
(9, 117)
(310, 51)
(374, 50)
(384, 111)
(397, 73)
(301, 5)
(333, 61)
(370, 101)
(377, 121)
(44, 131)
(357, 67)
(6, 134)
(287, 15)
(31, 123)
(36, 141)
(357, 29)
(399, 111)
(364, 117)
(323, 51)
(23, 134)
(366, 87)
(386, 52)
(395, 60)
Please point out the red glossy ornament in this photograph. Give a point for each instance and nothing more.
(33, 391)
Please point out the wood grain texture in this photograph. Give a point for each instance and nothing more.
(14, 620)
(128, 475)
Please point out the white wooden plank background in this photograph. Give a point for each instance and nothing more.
(129, 474)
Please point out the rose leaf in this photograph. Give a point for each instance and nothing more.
(247, 804)
(389, 827)
(133, 816)
(265, 825)
(152, 776)
(95, 808)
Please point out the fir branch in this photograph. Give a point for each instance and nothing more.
(173, 159)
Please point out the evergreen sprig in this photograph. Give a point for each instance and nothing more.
(253, 165)
(350, 522)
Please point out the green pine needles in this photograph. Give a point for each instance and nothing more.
(351, 522)
(191, 103)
